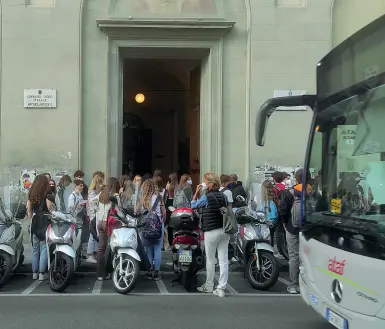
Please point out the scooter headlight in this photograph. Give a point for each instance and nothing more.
(266, 234)
(124, 238)
(65, 239)
(249, 233)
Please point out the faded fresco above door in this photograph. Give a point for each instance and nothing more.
(176, 6)
(212, 8)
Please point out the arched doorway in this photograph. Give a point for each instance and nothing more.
(348, 16)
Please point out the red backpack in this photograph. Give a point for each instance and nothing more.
(112, 222)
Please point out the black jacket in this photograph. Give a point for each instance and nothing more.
(238, 190)
(285, 210)
(212, 218)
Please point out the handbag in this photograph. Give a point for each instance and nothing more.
(229, 222)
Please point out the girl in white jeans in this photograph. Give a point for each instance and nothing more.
(214, 237)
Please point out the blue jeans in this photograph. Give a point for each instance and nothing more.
(154, 251)
(39, 255)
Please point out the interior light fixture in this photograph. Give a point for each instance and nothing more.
(139, 98)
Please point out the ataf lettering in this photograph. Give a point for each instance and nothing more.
(336, 267)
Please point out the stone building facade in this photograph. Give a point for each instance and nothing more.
(75, 47)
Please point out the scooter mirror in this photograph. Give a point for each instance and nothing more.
(240, 198)
(113, 199)
(171, 208)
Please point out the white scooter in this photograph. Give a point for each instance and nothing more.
(253, 248)
(63, 239)
(11, 242)
(125, 244)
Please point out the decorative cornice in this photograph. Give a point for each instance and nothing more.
(112, 25)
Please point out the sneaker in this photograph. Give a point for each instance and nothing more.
(148, 275)
(156, 276)
(205, 289)
(91, 260)
(108, 277)
(35, 276)
(168, 248)
(219, 292)
(292, 290)
(42, 276)
(100, 278)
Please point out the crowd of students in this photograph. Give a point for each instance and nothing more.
(92, 205)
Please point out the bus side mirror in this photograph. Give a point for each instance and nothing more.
(269, 107)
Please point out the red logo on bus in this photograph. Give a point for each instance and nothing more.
(335, 266)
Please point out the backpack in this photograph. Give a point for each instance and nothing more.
(281, 196)
(296, 213)
(152, 230)
(180, 199)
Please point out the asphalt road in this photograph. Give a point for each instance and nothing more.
(158, 312)
(86, 284)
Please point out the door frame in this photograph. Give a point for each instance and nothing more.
(167, 39)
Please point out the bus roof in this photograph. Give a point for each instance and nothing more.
(358, 58)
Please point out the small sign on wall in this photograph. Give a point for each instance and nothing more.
(290, 92)
(40, 98)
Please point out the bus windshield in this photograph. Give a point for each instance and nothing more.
(347, 162)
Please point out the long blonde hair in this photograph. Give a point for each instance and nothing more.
(148, 190)
(267, 193)
(128, 192)
(213, 180)
(96, 184)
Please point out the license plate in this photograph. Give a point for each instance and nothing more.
(185, 256)
(336, 320)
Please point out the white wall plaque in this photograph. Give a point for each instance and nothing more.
(290, 92)
(40, 98)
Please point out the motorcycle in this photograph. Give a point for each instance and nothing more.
(126, 247)
(187, 255)
(11, 241)
(252, 248)
(63, 239)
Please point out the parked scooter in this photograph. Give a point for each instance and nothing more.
(11, 241)
(252, 248)
(63, 239)
(125, 243)
(187, 256)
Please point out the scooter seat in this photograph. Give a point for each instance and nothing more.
(190, 233)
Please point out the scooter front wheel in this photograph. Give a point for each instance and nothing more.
(267, 275)
(125, 274)
(6, 265)
(59, 278)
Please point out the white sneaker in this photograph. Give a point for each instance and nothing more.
(35, 276)
(205, 289)
(42, 277)
(219, 292)
(91, 260)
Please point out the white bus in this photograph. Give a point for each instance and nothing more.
(342, 238)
